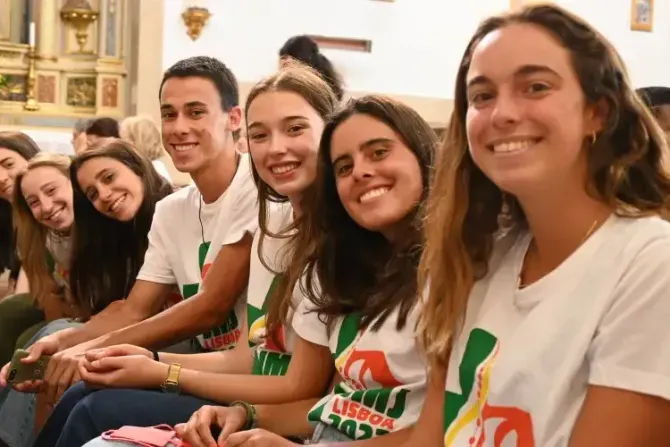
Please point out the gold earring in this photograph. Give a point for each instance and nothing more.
(594, 138)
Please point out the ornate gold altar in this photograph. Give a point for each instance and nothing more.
(61, 60)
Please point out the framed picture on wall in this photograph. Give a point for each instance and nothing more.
(641, 15)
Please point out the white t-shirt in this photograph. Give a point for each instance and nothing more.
(271, 354)
(59, 258)
(520, 371)
(383, 375)
(186, 236)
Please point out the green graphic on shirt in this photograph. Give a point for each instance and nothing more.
(225, 335)
(466, 414)
(270, 358)
(360, 408)
(479, 347)
(362, 414)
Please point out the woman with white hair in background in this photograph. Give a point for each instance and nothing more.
(144, 134)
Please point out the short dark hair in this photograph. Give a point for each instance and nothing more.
(654, 96)
(208, 68)
(103, 127)
(306, 50)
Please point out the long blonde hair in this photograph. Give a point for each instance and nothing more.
(144, 134)
(625, 168)
(31, 236)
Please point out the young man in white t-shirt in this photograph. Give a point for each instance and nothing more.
(200, 238)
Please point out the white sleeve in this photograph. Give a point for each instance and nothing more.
(244, 216)
(308, 325)
(630, 349)
(156, 267)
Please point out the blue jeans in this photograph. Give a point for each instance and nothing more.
(83, 414)
(17, 410)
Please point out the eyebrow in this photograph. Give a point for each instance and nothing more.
(101, 173)
(283, 120)
(46, 185)
(366, 145)
(188, 104)
(524, 70)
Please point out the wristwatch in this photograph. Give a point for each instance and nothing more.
(171, 384)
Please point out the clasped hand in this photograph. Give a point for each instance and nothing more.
(121, 366)
(198, 430)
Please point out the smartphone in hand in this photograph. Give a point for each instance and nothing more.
(22, 372)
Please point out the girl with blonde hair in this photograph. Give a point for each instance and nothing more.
(145, 135)
(44, 215)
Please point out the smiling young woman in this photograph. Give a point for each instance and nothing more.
(551, 332)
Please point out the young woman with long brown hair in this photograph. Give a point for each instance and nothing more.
(553, 332)
(17, 310)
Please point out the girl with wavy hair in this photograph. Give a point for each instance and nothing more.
(17, 310)
(554, 331)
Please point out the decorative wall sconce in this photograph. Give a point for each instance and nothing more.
(79, 15)
(195, 18)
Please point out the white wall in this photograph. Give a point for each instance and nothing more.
(417, 44)
(646, 54)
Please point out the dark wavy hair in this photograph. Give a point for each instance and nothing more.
(625, 170)
(106, 253)
(306, 50)
(352, 270)
(26, 147)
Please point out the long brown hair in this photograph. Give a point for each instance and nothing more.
(625, 171)
(304, 81)
(349, 269)
(106, 253)
(31, 235)
(26, 147)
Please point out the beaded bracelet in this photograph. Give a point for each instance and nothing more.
(251, 413)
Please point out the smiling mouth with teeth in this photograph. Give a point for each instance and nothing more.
(283, 169)
(183, 147)
(514, 146)
(55, 215)
(117, 203)
(373, 194)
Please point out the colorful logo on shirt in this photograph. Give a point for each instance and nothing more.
(469, 418)
(220, 337)
(270, 357)
(371, 399)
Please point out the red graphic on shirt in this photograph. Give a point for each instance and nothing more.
(514, 420)
(276, 341)
(374, 370)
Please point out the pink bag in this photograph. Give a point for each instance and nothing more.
(158, 436)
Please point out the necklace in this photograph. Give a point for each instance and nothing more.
(519, 282)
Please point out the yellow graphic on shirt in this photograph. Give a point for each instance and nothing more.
(469, 416)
